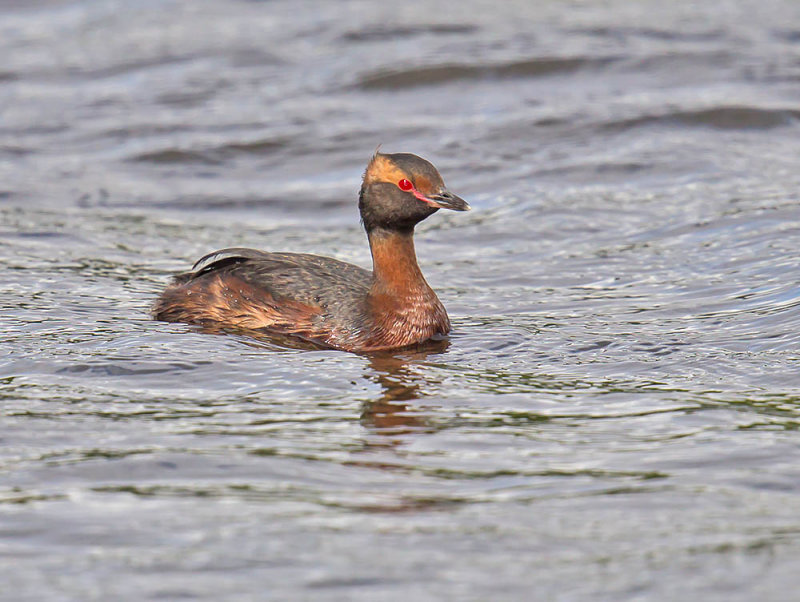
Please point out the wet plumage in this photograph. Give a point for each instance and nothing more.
(325, 300)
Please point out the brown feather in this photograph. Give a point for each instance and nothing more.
(226, 299)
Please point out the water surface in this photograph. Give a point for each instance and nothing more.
(615, 415)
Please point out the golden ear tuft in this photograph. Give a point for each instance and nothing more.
(382, 169)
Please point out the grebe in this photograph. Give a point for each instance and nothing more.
(324, 300)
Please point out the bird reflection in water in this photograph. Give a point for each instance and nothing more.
(393, 371)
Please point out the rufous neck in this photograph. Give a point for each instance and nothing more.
(394, 261)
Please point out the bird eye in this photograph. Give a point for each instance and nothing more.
(405, 185)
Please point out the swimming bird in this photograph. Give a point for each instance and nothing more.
(324, 300)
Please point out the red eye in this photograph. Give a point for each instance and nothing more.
(405, 185)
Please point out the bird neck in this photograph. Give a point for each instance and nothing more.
(394, 261)
(402, 308)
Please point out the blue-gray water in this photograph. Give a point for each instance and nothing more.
(616, 415)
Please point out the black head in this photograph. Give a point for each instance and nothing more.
(400, 190)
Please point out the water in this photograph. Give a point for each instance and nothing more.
(615, 415)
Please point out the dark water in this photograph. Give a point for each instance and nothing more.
(616, 414)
